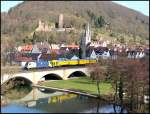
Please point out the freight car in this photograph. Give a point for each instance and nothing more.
(57, 63)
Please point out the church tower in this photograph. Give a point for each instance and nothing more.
(85, 41)
(87, 34)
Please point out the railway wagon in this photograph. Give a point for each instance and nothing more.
(83, 61)
(92, 61)
(55, 63)
(73, 62)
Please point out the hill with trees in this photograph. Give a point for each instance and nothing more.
(21, 21)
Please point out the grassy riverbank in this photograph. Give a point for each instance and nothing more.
(83, 84)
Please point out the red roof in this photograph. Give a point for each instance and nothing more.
(72, 46)
(26, 48)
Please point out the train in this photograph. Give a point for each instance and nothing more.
(56, 63)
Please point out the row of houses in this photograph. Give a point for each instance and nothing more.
(59, 55)
(44, 47)
(91, 53)
(61, 51)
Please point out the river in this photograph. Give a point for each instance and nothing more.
(35, 100)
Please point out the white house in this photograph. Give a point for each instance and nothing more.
(74, 57)
(106, 54)
(93, 55)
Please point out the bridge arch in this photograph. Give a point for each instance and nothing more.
(77, 74)
(52, 76)
(19, 78)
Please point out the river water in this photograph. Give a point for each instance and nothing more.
(35, 100)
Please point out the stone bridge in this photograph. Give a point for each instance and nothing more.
(34, 76)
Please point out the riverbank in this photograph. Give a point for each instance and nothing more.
(83, 85)
(66, 90)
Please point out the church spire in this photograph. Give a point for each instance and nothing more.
(85, 40)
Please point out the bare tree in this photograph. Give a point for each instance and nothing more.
(97, 74)
(138, 81)
(130, 75)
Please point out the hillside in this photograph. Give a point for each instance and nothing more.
(23, 19)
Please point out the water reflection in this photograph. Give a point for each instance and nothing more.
(110, 109)
(43, 100)
(61, 98)
(19, 108)
(18, 92)
(46, 91)
(106, 109)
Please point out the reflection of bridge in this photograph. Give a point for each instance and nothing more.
(34, 95)
(47, 74)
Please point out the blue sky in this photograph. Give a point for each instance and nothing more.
(141, 6)
(6, 5)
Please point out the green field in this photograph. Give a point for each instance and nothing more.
(82, 84)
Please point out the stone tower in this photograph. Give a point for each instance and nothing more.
(85, 41)
(60, 24)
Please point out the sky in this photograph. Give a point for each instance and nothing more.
(141, 6)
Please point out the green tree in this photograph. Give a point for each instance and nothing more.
(122, 40)
(99, 22)
(91, 15)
